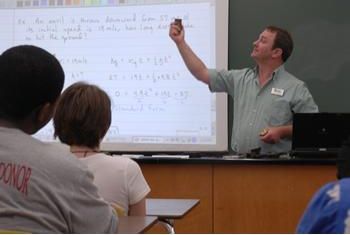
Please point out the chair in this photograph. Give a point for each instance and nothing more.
(118, 209)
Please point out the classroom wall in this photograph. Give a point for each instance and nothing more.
(321, 33)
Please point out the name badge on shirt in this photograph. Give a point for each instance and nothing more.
(276, 91)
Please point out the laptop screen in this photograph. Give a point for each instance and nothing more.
(319, 132)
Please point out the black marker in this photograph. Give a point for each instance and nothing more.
(178, 22)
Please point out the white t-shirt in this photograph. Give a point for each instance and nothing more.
(119, 179)
(45, 189)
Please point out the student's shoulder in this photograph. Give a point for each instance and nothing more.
(124, 163)
(115, 160)
(345, 184)
(120, 160)
(59, 157)
(46, 151)
(326, 195)
(328, 187)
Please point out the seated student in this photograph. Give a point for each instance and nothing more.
(329, 210)
(43, 189)
(81, 120)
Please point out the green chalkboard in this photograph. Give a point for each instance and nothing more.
(321, 33)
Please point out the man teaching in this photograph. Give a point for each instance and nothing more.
(265, 97)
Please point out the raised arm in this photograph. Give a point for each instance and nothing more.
(193, 63)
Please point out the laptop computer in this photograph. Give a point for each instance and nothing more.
(319, 134)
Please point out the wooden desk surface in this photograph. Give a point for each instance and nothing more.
(135, 224)
(169, 208)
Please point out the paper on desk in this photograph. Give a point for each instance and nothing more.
(229, 157)
(135, 156)
(171, 156)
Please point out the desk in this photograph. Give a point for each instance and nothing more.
(238, 196)
(167, 210)
(135, 224)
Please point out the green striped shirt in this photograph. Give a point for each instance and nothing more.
(256, 108)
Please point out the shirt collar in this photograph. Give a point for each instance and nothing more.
(278, 71)
(275, 73)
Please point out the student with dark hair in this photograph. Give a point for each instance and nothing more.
(81, 120)
(264, 97)
(43, 189)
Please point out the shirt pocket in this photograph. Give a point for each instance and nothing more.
(279, 113)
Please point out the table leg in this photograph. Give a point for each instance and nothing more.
(168, 224)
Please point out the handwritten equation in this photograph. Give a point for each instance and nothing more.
(139, 108)
(154, 77)
(127, 52)
(120, 62)
(151, 94)
(137, 62)
(70, 28)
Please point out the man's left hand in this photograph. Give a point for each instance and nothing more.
(271, 135)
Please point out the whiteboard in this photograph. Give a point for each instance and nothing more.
(157, 105)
